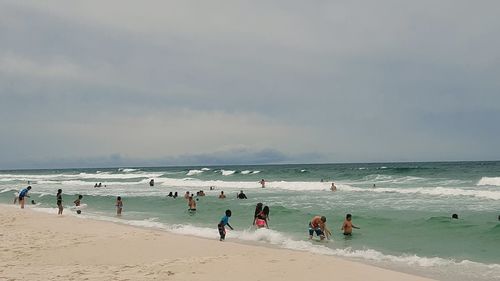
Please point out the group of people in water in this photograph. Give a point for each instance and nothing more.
(317, 225)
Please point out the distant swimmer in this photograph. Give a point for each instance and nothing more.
(242, 195)
(175, 195)
(454, 216)
(152, 182)
(222, 223)
(22, 194)
(119, 206)
(59, 202)
(348, 226)
(33, 202)
(374, 186)
(186, 195)
(222, 195)
(170, 194)
(333, 188)
(262, 183)
(318, 225)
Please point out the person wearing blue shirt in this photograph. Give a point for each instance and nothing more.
(223, 222)
(22, 194)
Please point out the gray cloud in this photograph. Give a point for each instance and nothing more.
(185, 82)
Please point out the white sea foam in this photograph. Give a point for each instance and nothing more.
(255, 172)
(227, 172)
(205, 169)
(245, 172)
(8, 189)
(284, 241)
(489, 181)
(127, 170)
(194, 172)
(303, 170)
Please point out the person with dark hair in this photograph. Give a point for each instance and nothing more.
(23, 193)
(258, 209)
(119, 206)
(262, 183)
(223, 222)
(221, 195)
(454, 216)
(59, 202)
(191, 204)
(175, 194)
(170, 194)
(318, 225)
(348, 226)
(77, 202)
(262, 218)
(152, 182)
(242, 195)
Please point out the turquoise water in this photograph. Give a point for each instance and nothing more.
(405, 220)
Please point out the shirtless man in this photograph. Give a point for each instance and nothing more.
(262, 183)
(222, 195)
(318, 225)
(191, 204)
(348, 226)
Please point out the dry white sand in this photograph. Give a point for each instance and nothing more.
(39, 246)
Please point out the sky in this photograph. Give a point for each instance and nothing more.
(157, 83)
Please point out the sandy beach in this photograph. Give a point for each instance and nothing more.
(40, 246)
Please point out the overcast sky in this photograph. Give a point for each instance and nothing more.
(132, 83)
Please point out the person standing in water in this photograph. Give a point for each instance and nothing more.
(59, 202)
(262, 183)
(347, 226)
(333, 188)
(262, 218)
(222, 196)
(221, 226)
(191, 204)
(119, 206)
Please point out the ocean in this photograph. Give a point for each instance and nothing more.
(405, 220)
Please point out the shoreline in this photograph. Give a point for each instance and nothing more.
(51, 247)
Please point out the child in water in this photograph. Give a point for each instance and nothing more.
(119, 206)
(223, 222)
(348, 226)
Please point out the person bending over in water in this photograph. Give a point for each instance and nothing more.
(348, 226)
(318, 225)
(22, 194)
(223, 222)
